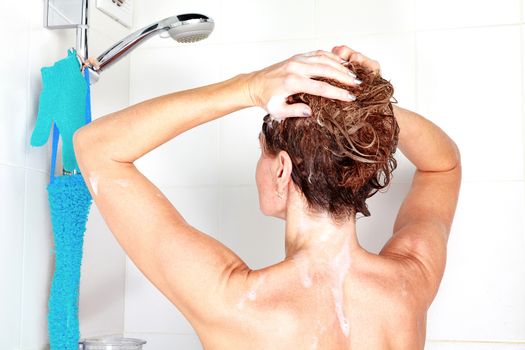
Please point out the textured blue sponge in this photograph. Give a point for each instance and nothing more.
(70, 201)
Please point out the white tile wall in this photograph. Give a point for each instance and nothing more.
(239, 152)
(11, 245)
(101, 306)
(375, 230)
(38, 261)
(257, 239)
(354, 16)
(161, 71)
(460, 87)
(254, 21)
(14, 34)
(481, 295)
(433, 14)
(147, 309)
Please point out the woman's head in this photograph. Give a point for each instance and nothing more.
(338, 157)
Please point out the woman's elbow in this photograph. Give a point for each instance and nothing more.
(86, 148)
(79, 140)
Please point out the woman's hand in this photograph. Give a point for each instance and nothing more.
(270, 87)
(347, 54)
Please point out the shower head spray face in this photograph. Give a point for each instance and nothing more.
(190, 30)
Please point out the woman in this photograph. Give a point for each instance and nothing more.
(328, 293)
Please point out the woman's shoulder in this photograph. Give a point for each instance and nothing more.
(396, 279)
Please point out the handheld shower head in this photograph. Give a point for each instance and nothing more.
(185, 28)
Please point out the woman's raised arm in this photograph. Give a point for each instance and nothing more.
(423, 223)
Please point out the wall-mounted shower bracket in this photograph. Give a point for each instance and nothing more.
(70, 14)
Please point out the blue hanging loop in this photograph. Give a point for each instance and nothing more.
(88, 96)
(54, 154)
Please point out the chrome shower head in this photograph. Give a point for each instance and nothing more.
(185, 28)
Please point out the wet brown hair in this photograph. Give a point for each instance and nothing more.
(343, 153)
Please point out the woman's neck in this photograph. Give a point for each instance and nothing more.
(317, 236)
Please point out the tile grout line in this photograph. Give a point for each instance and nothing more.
(24, 167)
(522, 51)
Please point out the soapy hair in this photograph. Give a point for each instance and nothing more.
(343, 153)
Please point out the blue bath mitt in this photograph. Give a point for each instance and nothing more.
(62, 100)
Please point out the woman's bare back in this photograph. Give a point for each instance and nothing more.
(290, 306)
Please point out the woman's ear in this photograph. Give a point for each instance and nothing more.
(283, 171)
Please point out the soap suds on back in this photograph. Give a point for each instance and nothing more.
(315, 342)
(302, 266)
(251, 294)
(122, 182)
(340, 266)
(93, 180)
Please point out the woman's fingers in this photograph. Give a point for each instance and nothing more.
(330, 61)
(328, 71)
(351, 55)
(326, 54)
(343, 52)
(320, 88)
(295, 110)
(366, 62)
